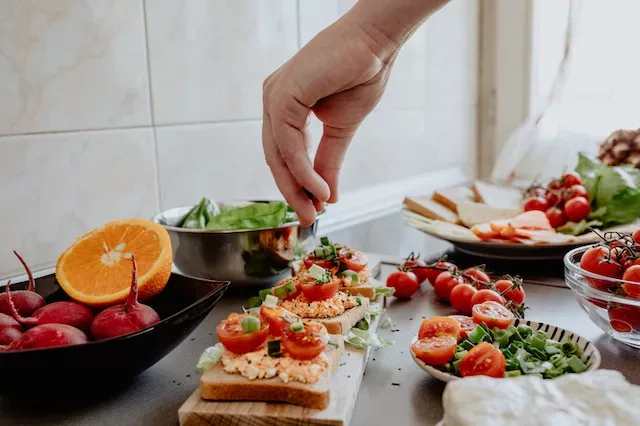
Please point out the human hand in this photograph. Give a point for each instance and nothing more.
(340, 76)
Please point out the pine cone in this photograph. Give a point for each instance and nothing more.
(621, 147)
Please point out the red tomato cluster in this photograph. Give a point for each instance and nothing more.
(463, 289)
(563, 200)
(617, 258)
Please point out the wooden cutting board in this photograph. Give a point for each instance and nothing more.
(344, 392)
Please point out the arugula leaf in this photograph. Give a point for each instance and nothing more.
(257, 215)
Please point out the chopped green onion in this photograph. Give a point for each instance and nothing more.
(461, 354)
(324, 241)
(280, 292)
(502, 337)
(466, 344)
(319, 274)
(297, 326)
(456, 365)
(290, 287)
(513, 373)
(264, 293)
(352, 274)
(270, 301)
(250, 324)
(478, 335)
(318, 252)
(524, 330)
(255, 302)
(273, 348)
(576, 365)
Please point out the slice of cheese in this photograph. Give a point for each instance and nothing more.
(425, 206)
(451, 197)
(600, 397)
(476, 213)
(497, 196)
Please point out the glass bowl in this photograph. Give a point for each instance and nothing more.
(603, 299)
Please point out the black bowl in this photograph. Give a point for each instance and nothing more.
(183, 304)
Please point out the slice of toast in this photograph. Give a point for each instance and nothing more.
(343, 323)
(451, 197)
(218, 385)
(497, 196)
(425, 206)
(477, 213)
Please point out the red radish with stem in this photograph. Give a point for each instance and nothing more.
(47, 336)
(69, 313)
(10, 329)
(127, 318)
(26, 301)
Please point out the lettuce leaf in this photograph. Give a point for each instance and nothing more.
(362, 339)
(210, 357)
(577, 228)
(253, 216)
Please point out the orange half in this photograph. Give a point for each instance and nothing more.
(96, 269)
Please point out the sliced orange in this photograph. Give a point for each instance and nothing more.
(96, 269)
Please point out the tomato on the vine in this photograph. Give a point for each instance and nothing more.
(598, 260)
(461, 296)
(577, 209)
(446, 282)
(552, 198)
(418, 267)
(576, 191)
(571, 178)
(434, 272)
(478, 275)
(510, 291)
(405, 283)
(556, 217)
(536, 203)
(636, 236)
(632, 274)
(555, 184)
(486, 295)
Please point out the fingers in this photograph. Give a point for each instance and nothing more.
(287, 184)
(330, 155)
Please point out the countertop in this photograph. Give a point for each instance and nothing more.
(153, 398)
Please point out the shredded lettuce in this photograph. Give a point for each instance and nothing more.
(362, 339)
(210, 357)
(383, 291)
(577, 228)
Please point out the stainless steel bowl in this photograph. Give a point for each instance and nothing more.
(257, 257)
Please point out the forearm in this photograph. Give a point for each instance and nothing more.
(389, 23)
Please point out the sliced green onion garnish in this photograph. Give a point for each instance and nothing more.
(352, 274)
(576, 365)
(512, 373)
(478, 335)
(318, 251)
(264, 293)
(280, 292)
(270, 301)
(297, 326)
(461, 354)
(255, 302)
(290, 287)
(324, 241)
(250, 324)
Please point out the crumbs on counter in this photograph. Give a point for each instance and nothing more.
(395, 384)
(343, 364)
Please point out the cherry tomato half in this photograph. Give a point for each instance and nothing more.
(461, 296)
(310, 260)
(314, 292)
(444, 284)
(435, 350)
(577, 209)
(492, 314)
(467, 325)
(306, 344)
(483, 360)
(510, 291)
(536, 203)
(234, 339)
(405, 282)
(439, 326)
(486, 295)
(354, 259)
(276, 318)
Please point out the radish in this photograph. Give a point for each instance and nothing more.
(10, 329)
(127, 318)
(26, 301)
(47, 336)
(69, 313)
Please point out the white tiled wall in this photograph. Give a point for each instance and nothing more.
(116, 108)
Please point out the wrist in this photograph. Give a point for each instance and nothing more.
(388, 24)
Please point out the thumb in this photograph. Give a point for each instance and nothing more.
(330, 155)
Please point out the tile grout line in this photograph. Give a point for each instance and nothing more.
(298, 26)
(156, 159)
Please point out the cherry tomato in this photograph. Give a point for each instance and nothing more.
(556, 217)
(483, 360)
(405, 282)
(276, 318)
(486, 295)
(555, 184)
(632, 274)
(354, 259)
(536, 203)
(439, 326)
(510, 291)
(636, 236)
(467, 325)
(577, 209)
(571, 178)
(536, 192)
(597, 261)
(433, 273)
(435, 350)
(461, 296)
(492, 314)
(234, 339)
(444, 284)
(314, 292)
(479, 275)
(422, 272)
(310, 260)
(306, 344)
(576, 191)
(552, 198)
(624, 319)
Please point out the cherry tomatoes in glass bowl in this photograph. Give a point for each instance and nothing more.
(405, 284)
(536, 203)
(484, 360)
(493, 314)
(306, 344)
(236, 340)
(577, 209)
(599, 260)
(632, 289)
(446, 282)
(556, 217)
(624, 319)
(461, 297)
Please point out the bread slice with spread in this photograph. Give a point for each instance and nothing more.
(346, 265)
(271, 356)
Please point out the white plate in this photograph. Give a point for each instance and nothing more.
(556, 333)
